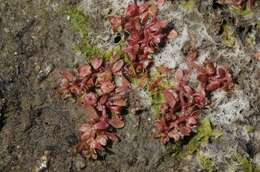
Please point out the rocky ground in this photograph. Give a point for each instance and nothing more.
(38, 130)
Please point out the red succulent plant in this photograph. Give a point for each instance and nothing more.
(101, 88)
(144, 33)
(179, 111)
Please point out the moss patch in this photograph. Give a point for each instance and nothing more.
(205, 131)
(188, 5)
(245, 164)
(205, 162)
(258, 24)
(228, 36)
(80, 24)
(241, 12)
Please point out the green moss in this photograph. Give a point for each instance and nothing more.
(188, 5)
(80, 24)
(245, 164)
(251, 39)
(249, 129)
(258, 24)
(79, 21)
(227, 36)
(157, 99)
(205, 162)
(205, 131)
(241, 12)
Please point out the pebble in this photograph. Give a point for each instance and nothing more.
(43, 74)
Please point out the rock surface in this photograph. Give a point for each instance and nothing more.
(38, 130)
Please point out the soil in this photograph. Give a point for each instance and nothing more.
(38, 130)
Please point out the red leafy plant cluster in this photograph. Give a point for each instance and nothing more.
(180, 110)
(101, 88)
(238, 3)
(144, 33)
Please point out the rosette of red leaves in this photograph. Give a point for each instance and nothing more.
(144, 33)
(179, 112)
(101, 88)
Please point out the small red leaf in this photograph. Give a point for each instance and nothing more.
(101, 125)
(90, 99)
(91, 112)
(213, 85)
(96, 63)
(116, 122)
(84, 71)
(116, 22)
(107, 87)
(170, 98)
(131, 10)
(173, 34)
(117, 66)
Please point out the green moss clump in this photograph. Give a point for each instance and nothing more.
(249, 129)
(205, 162)
(80, 24)
(188, 5)
(245, 164)
(241, 12)
(228, 37)
(157, 99)
(205, 131)
(258, 24)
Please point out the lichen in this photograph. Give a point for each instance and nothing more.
(205, 162)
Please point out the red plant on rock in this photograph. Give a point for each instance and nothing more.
(101, 88)
(144, 33)
(179, 112)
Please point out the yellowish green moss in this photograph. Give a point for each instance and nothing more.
(249, 129)
(188, 5)
(79, 22)
(205, 131)
(228, 36)
(205, 162)
(156, 95)
(157, 99)
(81, 25)
(241, 12)
(258, 24)
(245, 164)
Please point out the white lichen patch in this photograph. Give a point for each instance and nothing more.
(42, 163)
(171, 55)
(227, 110)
